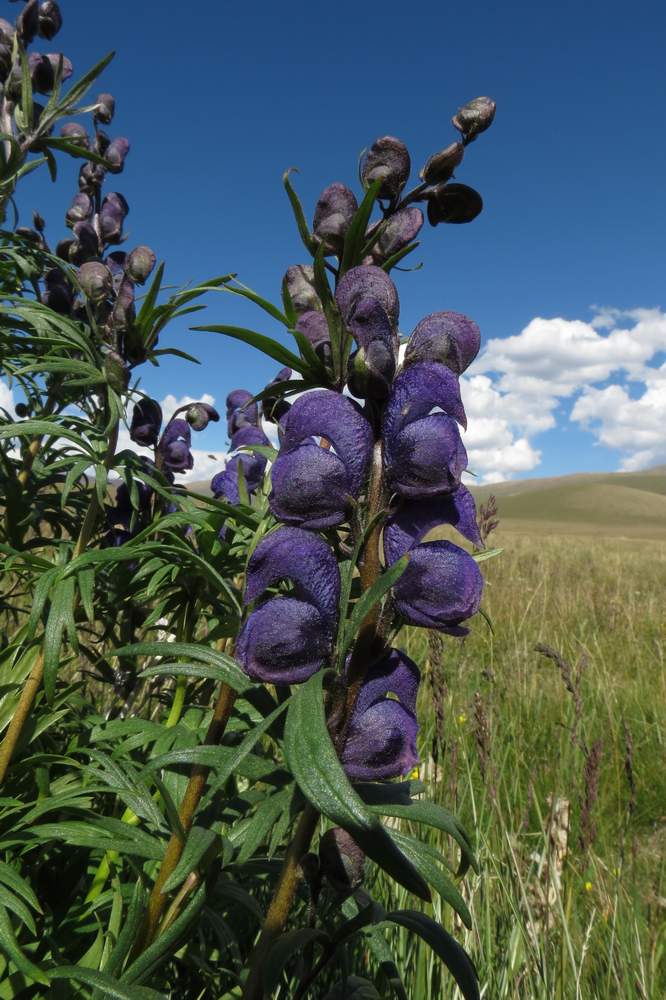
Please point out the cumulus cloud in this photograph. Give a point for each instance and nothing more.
(7, 400)
(516, 387)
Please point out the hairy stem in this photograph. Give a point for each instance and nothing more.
(191, 799)
(33, 683)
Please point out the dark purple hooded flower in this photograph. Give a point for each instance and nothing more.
(146, 422)
(116, 154)
(199, 415)
(371, 368)
(112, 216)
(401, 229)
(442, 584)
(423, 451)
(299, 282)
(333, 214)
(367, 281)
(381, 741)
(448, 337)
(287, 639)
(314, 325)
(275, 408)
(174, 447)
(453, 203)
(241, 410)
(312, 485)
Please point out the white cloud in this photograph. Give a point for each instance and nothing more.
(7, 400)
(514, 390)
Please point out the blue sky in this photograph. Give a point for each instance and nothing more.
(564, 269)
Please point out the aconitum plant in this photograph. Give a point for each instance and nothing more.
(210, 727)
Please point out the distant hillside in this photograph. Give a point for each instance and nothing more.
(628, 504)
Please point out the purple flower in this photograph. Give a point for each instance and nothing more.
(241, 411)
(381, 741)
(111, 217)
(80, 209)
(140, 264)
(312, 485)
(440, 166)
(106, 107)
(274, 408)
(387, 160)
(372, 367)
(314, 325)
(43, 70)
(146, 422)
(442, 583)
(401, 229)
(225, 484)
(474, 117)
(453, 203)
(199, 415)
(299, 283)
(334, 212)
(96, 281)
(448, 337)
(287, 639)
(423, 452)
(174, 447)
(116, 153)
(367, 281)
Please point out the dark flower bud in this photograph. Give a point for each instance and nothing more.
(241, 410)
(29, 234)
(116, 372)
(77, 135)
(341, 859)
(105, 110)
(116, 153)
(5, 62)
(86, 244)
(95, 280)
(146, 422)
(400, 230)
(21, 410)
(38, 222)
(174, 447)
(43, 70)
(299, 282)
(139, 264)
(200, 414)
(59, 295)
(123, 313)
(102, 142)
(474, 118)
(447, 337)
(440, 166)
(116, 264)
(80, 209)
(387, 160)
(91, 176)
(50, 20)
(64, 248)
(27, 23)
(111, 217)
(333, 213)
(6, 33)
(453, 203)
(314, 325)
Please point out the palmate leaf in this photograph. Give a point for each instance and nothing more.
(453, 955)
(312, 759)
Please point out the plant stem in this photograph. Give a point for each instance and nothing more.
(33, 683)
(195, 789)
(278, 911)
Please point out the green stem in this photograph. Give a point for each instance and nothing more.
(34, 681)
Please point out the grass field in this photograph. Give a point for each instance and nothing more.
(565, 788)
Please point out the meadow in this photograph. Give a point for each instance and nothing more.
(558, 767)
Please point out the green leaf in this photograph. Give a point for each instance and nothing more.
(226, 668)
(11, 948)
(129, 932)
(289, 946)
(16, 882)
(261, 823)
(26, 92)
(353, 988)
(61, 619)
(428, 862)
(240, 752)
(240, 289)
(18, 907)
(486, 554)
(319, 774)
(198, 843)
(110, 987)
(160, 949)
(37, 428)
(454, 957)
(78, 89)
(395, 258)
(372, 596)
(429, 814)
(308, 240)
(262, 343)
(355, 237)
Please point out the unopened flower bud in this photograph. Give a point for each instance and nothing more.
(95, 280)
(116, 153)
(146, 422)
(63, 249)
(111, 217)
(474, 118)
(77, 135)
(116, 372)
(43, 70)
(124, 312)
(453, 203)
(439, 168)
(6, 33)
(50, 20)
(299, 282)
(38, 222)
(199, 416)
(333, 214)
(102, 142)
(342, 860)
(21, 410)
(400, 230)
(105, 110)
(91, 176)
(387, 160)
(450, 338)
(140, 263)
(29, 234)
(86, 244)
(27, 23)
(80, 209)
(59, 295)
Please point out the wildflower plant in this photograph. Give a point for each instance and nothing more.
(209, 724)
